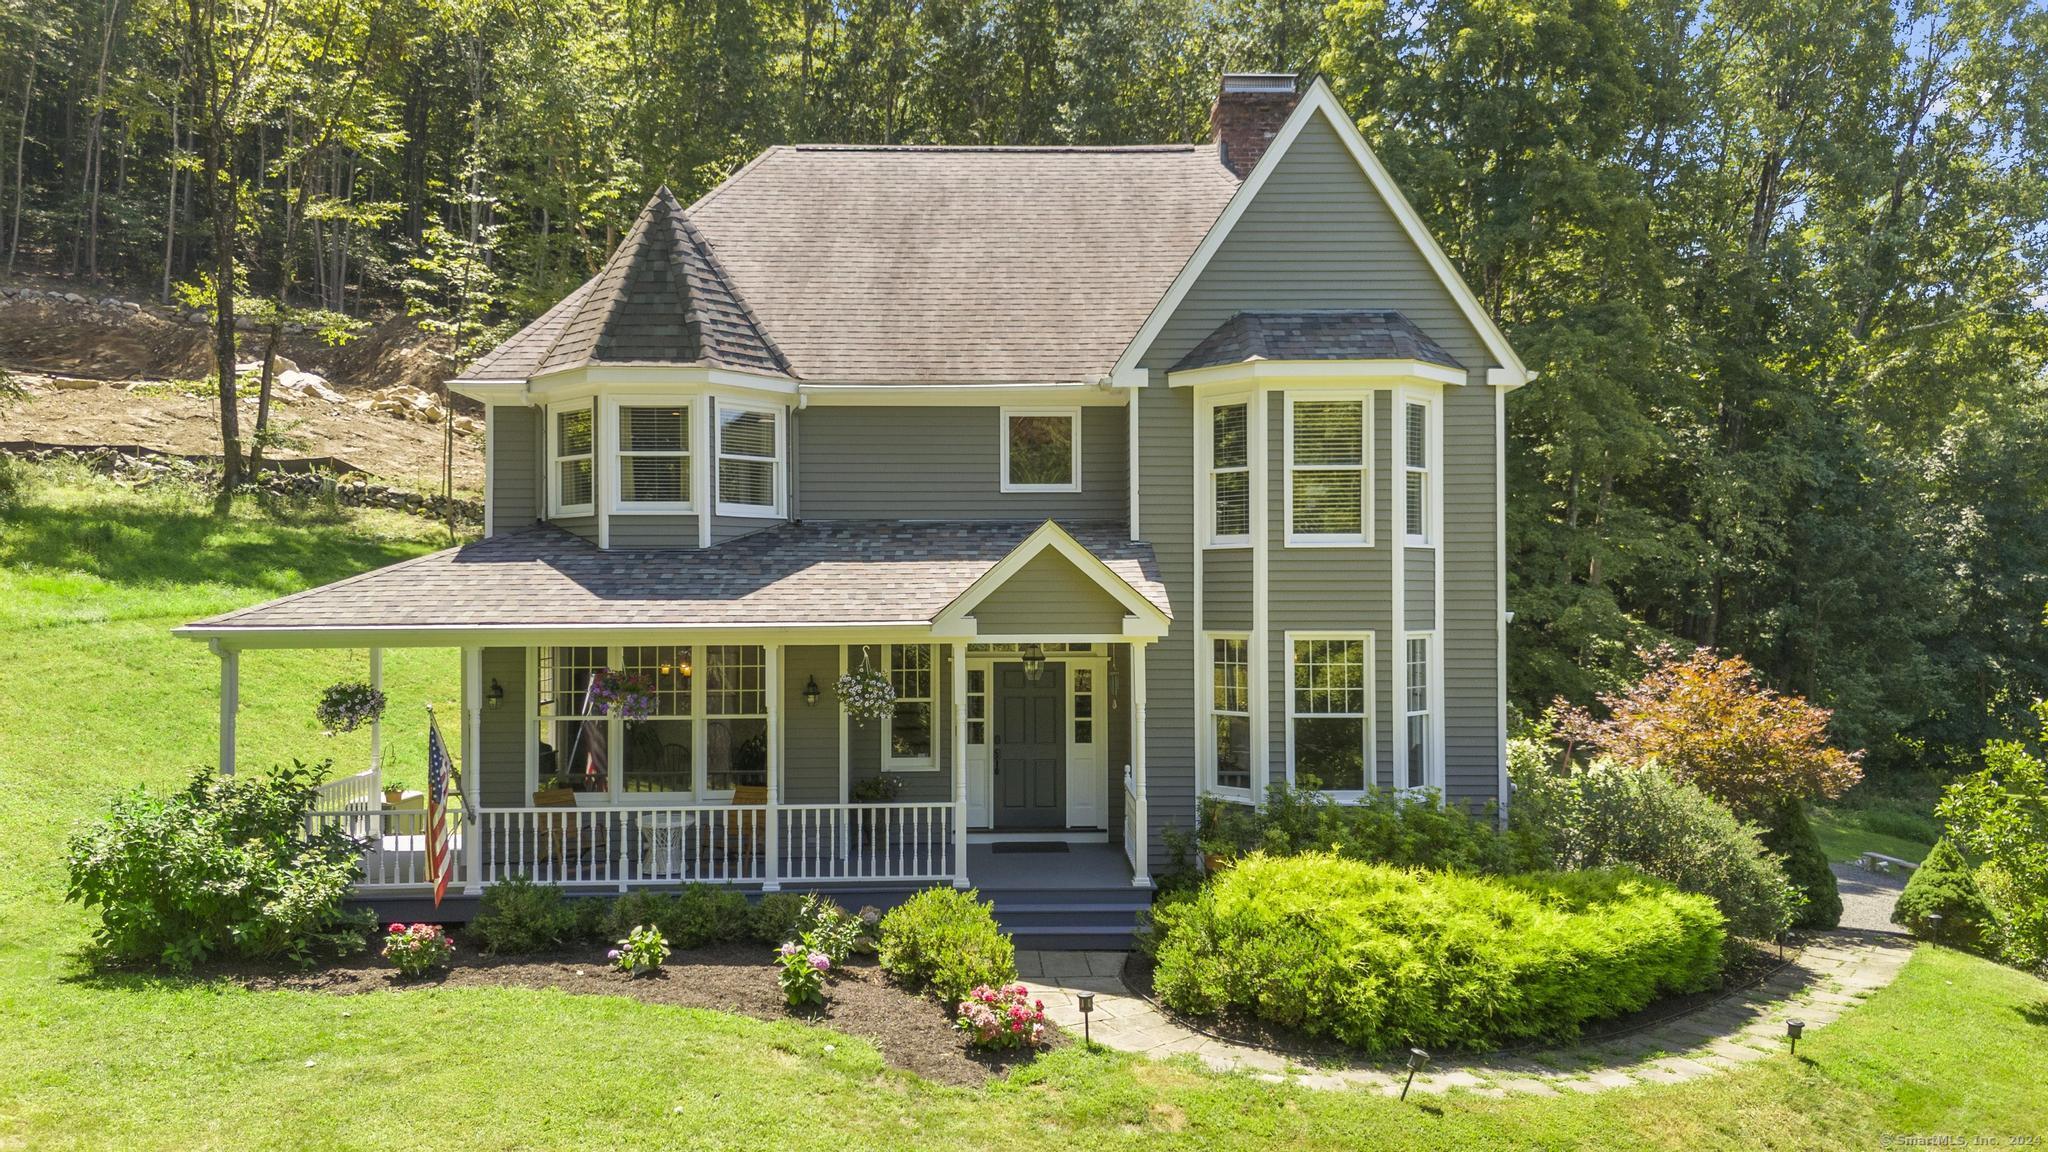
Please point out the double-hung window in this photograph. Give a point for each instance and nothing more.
(1329, 711)
(1230, 714)
(1420, 730)
(654, 458)
(1326, 470)
(749, 460)
(907, 735)
(571, 483)
(1415, 470)
(1230, 474)
(1041, 449)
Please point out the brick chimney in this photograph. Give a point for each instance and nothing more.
(1248, 113)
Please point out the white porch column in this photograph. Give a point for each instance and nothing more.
(230, 703)
(771, 863)
(960, 764)
(377, 725)
(1141, 852)
(471, 827)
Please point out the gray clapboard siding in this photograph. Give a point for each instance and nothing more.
(639, 530)
(1166, 519)
(1048, 595)
(1473, 753)
(928, 463)
(512, 439)
(501, 736)
(864, 741)
(1227, 590)
(1418, 588)
(810, 733)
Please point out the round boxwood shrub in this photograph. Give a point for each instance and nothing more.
(947, 941)
(1380, 957)
(1944, 885)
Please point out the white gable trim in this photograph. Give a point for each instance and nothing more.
(953, 619)
(1319, 100)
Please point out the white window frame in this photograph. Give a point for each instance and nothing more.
(724, 507)
(1363, 539)
(1432, 713)
(1209, 712)
(556, 460)
(1432, 453)
(1206, 450)
(700, 702)
(890, 761)
(1073, 483)
(1371, 771)
(616, 413)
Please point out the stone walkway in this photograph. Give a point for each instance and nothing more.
(1826, 978)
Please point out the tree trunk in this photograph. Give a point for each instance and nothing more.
(28, 89)
(95, 143)
(171, 200)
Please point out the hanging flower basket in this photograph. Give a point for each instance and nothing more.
(628, 694)
(349, 705)
(866, 694)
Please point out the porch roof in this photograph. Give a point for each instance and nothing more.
(857, 574)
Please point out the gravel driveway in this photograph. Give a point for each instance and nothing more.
(1867, 898)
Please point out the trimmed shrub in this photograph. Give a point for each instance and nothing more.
(1790, 834)
(695, 917)
(947, 941)
(777, 917)
(1383, 826)
(1943, 885)
(1380, 957)
(222, 868)
(591, 918)
(1610, 814)
(517, 915)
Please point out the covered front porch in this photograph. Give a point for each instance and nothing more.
(737, 764)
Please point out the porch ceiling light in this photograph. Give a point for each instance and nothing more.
(811, 692)
(1034, 662)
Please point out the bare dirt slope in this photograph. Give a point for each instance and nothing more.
(108, 371)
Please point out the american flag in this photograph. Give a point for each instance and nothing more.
(439, 768)
(591, 737)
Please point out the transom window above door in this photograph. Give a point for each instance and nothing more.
(1041, 449)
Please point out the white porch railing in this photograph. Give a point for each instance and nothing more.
(394, 845)
(355, 793)
(866, 842)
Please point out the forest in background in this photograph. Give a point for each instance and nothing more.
(1782, 264)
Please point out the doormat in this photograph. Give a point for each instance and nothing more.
(1031, 846)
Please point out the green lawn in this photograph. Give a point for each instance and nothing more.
(98, 697)
(1846, 834)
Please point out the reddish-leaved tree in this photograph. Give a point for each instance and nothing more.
(1705, 718)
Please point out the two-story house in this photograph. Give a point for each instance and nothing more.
(1141, 473)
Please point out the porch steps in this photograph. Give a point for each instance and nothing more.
(1095, 919)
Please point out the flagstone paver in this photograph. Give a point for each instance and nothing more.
(1827, 978)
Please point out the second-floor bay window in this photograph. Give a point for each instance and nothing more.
(1326, 471)
(654, 457)
(1230, 474)
(571, 480)
(749, 460)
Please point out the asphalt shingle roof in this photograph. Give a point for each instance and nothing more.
(1331, 335)
(906, 265)
(823, 572)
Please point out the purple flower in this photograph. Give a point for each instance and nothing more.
(788, 948)
(820, 961)
(612, 955)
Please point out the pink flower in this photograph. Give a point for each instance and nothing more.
(396, 927)
(820, 961)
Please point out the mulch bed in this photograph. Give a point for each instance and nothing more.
(1750, 966)
(912, 1032)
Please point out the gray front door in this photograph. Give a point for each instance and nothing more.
(1031, 748)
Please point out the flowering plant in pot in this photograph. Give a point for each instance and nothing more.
(866, 694)
(1006, 1017)
(349, 705)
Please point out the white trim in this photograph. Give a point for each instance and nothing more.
(551, 440)
(490, 470)
(1501, 615)
(701, 469)
(1206, 713)
(1132, 455)
(1205, 469)
(1368, 776)
(446, 635)
(927, 763)
(1363, 538)
(1141, 822)
(959, 676)
(1261, 413)
(1302, 373)
(779, 463)
(530, 704)
(1433, 707)
(377, 722)
(1073, 416)
(952, 619)
(471, 767)
(230, 703)
(1320, 100)
(1432, 469)
(845, 746)
(615, 414)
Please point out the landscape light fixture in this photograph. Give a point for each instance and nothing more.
(1793, 1030)
(496, 695)
(1086, 1001)
(1417, 1058)
(1034, 662)
(811, 693)
(1934, 926)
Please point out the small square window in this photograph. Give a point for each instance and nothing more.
(1041, 451)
